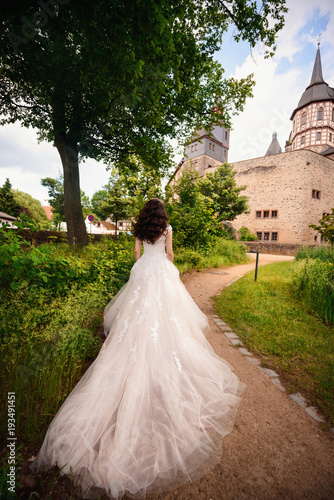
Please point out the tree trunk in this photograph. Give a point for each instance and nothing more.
(76, 229)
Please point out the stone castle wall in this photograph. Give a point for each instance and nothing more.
(298, 185)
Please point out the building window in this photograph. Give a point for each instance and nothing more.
(316, 238)
(210, 146)
(318, 136)
(303, 118)
(265, 213)
(266, 236)
(316, 194)
(330, 137)
(332, 114)
(224, 152)
(274, 214)
(273, 236)
(213, 147)
(192, 148)
(303, 139)
(195, 147)
(320, 113)
(259, 236)
(226, 135)
(258, 214)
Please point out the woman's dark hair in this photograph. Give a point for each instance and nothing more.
(152, 221)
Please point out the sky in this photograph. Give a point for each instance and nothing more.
(280, 82)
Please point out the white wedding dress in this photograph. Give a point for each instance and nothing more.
(150, 411)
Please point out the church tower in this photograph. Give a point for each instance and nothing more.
(313, 119)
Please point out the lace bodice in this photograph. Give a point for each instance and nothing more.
(157, 248)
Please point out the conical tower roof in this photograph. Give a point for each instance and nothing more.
(274, 147)
(318, 89)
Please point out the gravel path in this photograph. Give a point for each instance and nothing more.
(276, 450)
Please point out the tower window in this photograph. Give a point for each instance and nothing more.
(192, 148)
(303, 139)
(303, 118)
(213, 147)
(258, 214)
(210, 146)
(226, 135)
(266, 213)
(273, 236)
(320, 110)
(266, 236)
(195, 147)
(259, 236)
(274, 214)
(318, 136)
(332, 114)
(316, 194)
(330, 138)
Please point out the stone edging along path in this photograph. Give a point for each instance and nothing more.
(274, 377)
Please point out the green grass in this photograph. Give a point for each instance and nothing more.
(283, 332)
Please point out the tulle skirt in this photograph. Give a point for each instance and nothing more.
(150, 412)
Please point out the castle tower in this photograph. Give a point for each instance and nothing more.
(207, 151)
(274, 147)
(313, 119)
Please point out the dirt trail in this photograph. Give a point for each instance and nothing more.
(275, 451)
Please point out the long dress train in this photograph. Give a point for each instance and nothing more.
(151, 410)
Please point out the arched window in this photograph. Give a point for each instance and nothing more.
(303, 139)
(318, 136)
(303, 118)
(332, 114)
(320, 113)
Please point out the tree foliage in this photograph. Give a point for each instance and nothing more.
(199, 206)
(220, 186)
(191, 214)
(8, 203)
(56, 198)
(108, 80)
(32, 208)
(326, 227)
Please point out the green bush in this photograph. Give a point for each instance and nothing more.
(323, 253)
(314, 284)
(49, 327)
(218, 252)
(246, 235)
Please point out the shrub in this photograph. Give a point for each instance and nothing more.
(246, 235)
(314, 284)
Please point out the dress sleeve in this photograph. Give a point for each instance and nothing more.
(168, 228)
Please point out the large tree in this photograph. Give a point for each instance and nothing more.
(107, 79)
(32, 208)
(220, 186)
(8, 203)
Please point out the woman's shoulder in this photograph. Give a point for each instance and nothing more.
(168, 228)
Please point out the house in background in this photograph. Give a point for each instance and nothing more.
(9, 220)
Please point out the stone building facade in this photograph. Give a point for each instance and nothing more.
(286, 191)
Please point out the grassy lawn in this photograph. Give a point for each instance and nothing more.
(283, 332)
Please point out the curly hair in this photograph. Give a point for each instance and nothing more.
(152, 221)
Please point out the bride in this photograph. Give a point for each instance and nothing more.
(150, 412)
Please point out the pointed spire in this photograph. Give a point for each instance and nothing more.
(317, 69)
(274, 147)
